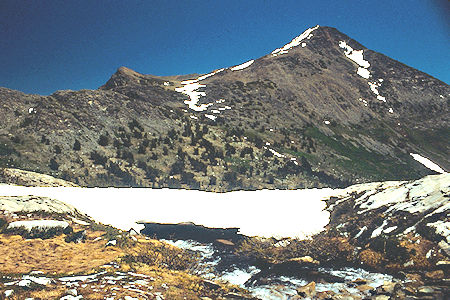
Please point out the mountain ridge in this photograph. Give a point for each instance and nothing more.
(322, 110)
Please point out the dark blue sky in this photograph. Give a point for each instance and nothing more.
(51, 45)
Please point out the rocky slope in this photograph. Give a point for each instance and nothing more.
(323, 110)
(396, 228)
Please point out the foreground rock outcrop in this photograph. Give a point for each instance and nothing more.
(398, 228)
(28, 178)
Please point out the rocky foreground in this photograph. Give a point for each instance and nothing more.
(50, 250)
(384, 240)
(396, 228)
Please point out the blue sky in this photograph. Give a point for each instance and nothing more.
(52, 45)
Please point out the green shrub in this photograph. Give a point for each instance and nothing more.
(165, 256)
(54, 164)
(391, 248)
(77, 145)
(103, 140)
(39, 233)
(3, 224)
(57, 149)
(98, 158)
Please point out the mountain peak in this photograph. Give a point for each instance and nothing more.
(127, 71)
(122, 76)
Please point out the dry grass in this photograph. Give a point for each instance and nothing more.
(53, 256)
(167, 268)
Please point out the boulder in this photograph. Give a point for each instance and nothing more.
(325, 295)
(307, 291)
(305, 260)
(225, 243)
(425, 290)
(365, 287)
(381, 297)
(386, 289)
(211, 284)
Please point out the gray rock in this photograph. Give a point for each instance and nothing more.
(425, 290)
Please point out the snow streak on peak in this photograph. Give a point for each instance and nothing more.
(243, 66)
(190, 88)
(295, 42)
(355, 55)
(427, 163)
(358, 57)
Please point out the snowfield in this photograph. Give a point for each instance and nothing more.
(279, 213)
(266, 213)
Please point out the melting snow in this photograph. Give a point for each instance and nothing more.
(190, 88)
(295, 42)
(212, 117)
(363, 101)
(442, 228)
(360, 232)
(239, 276)
(8, 293)
(355, 55)
(379, 230)
(427, 163)
(358, 57)
(243, 66)
(38, 280)
(276, 153)
(374, 87)
(364, 73)
(194, 96)
(40, 224)
(390, 229)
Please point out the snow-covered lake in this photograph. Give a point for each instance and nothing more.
(279, 213)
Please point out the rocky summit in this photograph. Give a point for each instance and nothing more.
(322, 110)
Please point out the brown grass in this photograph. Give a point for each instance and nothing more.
(167, 265)
(53, 256)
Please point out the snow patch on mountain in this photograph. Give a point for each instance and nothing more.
(374, 88)
(358, 57)
(212, 117)
(364, 73)
(243, 66)
(295, 42)
(190, 88)
(427, 163)
(355, 55)
(442, 227)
